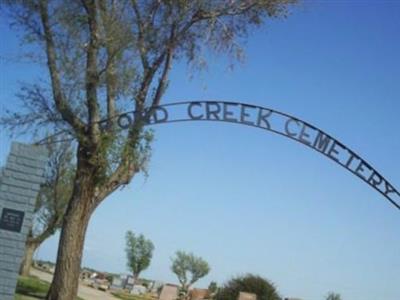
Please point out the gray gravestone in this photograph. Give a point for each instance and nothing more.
(20, 181)
(247, 296)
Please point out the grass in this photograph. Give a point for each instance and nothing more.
(22, 297)
(126, 296)
(32, 288)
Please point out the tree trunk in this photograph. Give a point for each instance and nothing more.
(72, 238)
(135, 278)
(28, 258)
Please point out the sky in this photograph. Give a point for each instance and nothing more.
(249, 201)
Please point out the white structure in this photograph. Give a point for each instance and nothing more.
(138, 289)
(19, 185)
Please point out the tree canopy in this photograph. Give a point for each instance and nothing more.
(139, 252)
(102, 57)
(249, 283)
(106, 56)
(333, 296)
(54, 194)
(189, 269)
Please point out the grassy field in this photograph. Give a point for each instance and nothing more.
(32, 288)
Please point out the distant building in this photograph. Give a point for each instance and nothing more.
(46, 266)
(118, 282)
(125, 282)
(156, 286)
(85, 274)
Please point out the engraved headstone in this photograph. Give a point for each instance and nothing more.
(199, 294)
(247, 296)
(169, 292)
(20, 181)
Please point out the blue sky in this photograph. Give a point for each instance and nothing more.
(250, 201)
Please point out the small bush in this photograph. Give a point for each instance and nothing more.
(248, 283)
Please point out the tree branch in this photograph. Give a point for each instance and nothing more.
(140, 25)
(92, 77)
(111, 79)
(147, 79)
(62, 106)
(164, 74)
(121, 176)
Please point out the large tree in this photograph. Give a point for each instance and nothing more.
(104, 56)
(51, 201)
(139, 252)
(189, 269)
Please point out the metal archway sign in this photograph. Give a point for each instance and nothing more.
(266, 119)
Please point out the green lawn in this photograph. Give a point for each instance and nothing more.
(32, 288)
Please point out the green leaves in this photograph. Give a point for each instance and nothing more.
(139, 252)
(248, 283)
(54, 193)
(333, 296)
(188, 268)
(115, 57)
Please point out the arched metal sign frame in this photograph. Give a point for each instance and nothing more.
(267, 119)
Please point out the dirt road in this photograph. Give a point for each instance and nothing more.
(84, 292)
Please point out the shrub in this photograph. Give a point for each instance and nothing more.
(249, 283)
